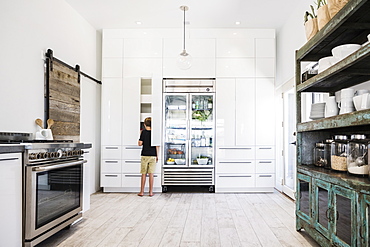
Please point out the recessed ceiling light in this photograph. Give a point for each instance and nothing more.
(237, 23)
(138, 22)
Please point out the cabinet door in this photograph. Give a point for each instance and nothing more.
(131, 111)
(245, 112)
(321, 211)
(364, 221)
(225, 109)
(156, 110)
(11, 197)
(344, 217)
(111, 111)
(303, 202)
(265, 112)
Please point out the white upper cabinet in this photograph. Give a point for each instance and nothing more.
(112, 48)
(142, 67)
(130, 110)
(235, 48)
(149, 48)
(225, 108)
(203, 58)
(265, 48)
(112, 67)
(245, 107)
(265, 111)
(235, 67)
(265, 67)
(111, 111)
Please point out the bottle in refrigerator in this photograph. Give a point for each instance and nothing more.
(203, 140)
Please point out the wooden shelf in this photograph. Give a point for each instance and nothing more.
(348, 72)
(350, 25)
(361, 184)
(356, 118)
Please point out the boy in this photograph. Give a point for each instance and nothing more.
(149, 156)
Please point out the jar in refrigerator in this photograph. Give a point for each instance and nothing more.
(319, 155)
(357, 158)
(339, 153)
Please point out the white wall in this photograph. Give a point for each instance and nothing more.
(290, 38)
(28, 28)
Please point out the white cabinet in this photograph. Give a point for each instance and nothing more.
(143, 48)
(112, 48)
(227, 48)
(11, 197)
(130, 110)
(235, 67)
(265, 47)
(265, 111)
(111, 111)
(245, 135)
(112, 67)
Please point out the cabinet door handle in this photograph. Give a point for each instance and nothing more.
(264, 162)
(264, 148)
(235, 148)
(132, 161)
(231, 176)
(138, 176)
(111, 147)
(111, 161)
(134, 147)
(7, 159)
(235, 162)
(111, 176)
(265, 176)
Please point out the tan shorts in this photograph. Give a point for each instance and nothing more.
(148, 164)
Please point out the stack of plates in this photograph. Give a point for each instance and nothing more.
(317, 111)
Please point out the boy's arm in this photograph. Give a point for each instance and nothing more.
(140, 142)
(157, 148)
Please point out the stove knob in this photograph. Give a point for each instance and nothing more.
(59, 153)
(69, 153)
(82, 152)
(52, 154)
(32, 156)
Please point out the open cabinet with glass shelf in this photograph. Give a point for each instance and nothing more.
(341, 194)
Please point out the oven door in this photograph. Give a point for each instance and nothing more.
(53, 195)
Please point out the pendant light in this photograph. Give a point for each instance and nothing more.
(184, 59)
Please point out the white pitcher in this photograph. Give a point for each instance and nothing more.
(331, 107)
(365, 101)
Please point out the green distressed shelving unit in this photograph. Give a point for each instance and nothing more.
(334, 207)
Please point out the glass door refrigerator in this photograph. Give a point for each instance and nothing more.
(188, 150)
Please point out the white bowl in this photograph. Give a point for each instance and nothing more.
(202, 161)
(180, 161)
(343, 51)
(325, 63)
(170, 162)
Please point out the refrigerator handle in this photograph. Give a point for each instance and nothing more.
(188, 142)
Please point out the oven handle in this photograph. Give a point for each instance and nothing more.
(53, 167)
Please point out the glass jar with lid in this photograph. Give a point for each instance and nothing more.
(339, 153)
(319, 155)
(357, 161)
(327, 153)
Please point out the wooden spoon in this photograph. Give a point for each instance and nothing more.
(39, 122)
(50, 123)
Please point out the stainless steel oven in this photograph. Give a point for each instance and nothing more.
(53, 188)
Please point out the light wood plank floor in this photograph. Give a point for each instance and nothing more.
(185, 219)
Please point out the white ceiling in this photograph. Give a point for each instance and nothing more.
(103, 14)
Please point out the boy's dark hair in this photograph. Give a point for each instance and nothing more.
(148, 121)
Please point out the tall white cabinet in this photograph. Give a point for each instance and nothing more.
(245, 138)
(243, 62)
(131, 77)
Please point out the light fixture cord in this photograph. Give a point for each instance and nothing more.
(184, 28)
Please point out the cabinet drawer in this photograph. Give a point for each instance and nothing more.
(236, 167)
(265, 166)
(235, 180)
(133, 180)
(265, 152)
(110, 180)
(111, 166)
(131, 152)
(134, 166)
(111, 152)
(235, 153)
(265, 180)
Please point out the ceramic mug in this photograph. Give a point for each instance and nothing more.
(331, 107)
(361, 92)
(347, 93)
(346, 105)
(365, 101)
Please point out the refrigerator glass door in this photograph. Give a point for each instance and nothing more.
(175, 130)
(201, 130)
